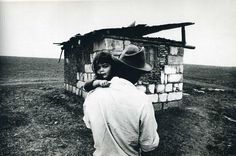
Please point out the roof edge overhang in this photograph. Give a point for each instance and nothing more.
(138, 30)
(156, 41)
(134, 33)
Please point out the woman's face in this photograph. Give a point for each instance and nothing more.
(104, 70)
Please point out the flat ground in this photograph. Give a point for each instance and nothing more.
(39, 118)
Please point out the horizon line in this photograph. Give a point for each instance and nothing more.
(41, 57)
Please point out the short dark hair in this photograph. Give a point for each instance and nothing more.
(100, 58)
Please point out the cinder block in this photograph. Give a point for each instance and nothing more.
(81, 76)
(80, 92)
(175, 59)
(77, 91)
(153, 98)
(180, 69)
(170, 69)
(174, 104)
(181, 51)
(93, 75)
(169, 87)
(84, 93)
(151, 88)
(99, 45)
(73, 89)
(162, 97)
(174, 96)
(108, 43)
(118, 45)
(164, 106)
(166, 79)
(77, 76)
(160, 88)
(178, 87)
(173, 50)
(85, 75)
(90, 76)
(70, 88)
(88, 68)
(67, 87)
(91, 57)
(152, 56)
(175, 77)
(157, 106)
(175, 87)
(142, 88)
(114, 44)
(162, 77)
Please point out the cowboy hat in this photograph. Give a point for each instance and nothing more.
(134, 58)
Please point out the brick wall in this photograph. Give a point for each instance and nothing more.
(164, 85)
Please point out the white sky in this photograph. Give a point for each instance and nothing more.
(29, 28)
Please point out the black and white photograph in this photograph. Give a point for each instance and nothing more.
(117, 78)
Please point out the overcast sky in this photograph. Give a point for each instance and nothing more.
(30, 28)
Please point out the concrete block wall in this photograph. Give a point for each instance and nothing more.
(163, 85)
(86, 73)
(70, 68)
(169, 84)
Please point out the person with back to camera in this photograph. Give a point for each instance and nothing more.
(104, 69)
(120, 116)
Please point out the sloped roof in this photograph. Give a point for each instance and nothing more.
(134, 32)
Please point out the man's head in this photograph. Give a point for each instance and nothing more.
(132, 63)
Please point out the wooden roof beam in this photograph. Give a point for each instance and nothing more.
(183, 35)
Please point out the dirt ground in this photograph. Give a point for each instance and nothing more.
(204, 125)
(39, 118)
(42, 119)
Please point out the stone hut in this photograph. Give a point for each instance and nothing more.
(164, 85)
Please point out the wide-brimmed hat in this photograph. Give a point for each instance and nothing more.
(134, 57)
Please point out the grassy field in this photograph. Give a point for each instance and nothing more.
(224, 76)
(39, 118)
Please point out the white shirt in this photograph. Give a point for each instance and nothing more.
(121, 119)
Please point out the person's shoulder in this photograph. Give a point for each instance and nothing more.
(115, 79)
(99, 91)
(142, 95)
